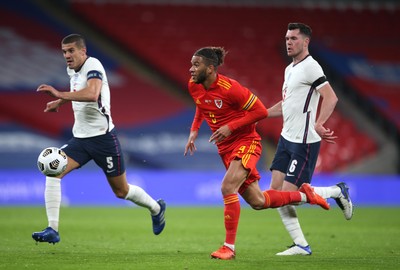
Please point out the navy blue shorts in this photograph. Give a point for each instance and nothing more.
(105, 150)
(296, 160)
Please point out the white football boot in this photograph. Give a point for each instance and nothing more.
(296, 250)
(344, 201)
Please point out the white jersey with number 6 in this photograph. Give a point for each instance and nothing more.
(300, 99)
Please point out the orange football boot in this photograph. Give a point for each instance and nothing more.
(223, 253)
(312, 197)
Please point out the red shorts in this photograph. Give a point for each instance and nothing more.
(249, 151)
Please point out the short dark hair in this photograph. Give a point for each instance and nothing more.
(304, 28)
(75, 38)
(212, 55)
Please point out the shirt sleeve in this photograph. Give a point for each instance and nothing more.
(315, 75)
(255, 112)
(246, 101)
(93, 69)
(94, 74)
(197, 120)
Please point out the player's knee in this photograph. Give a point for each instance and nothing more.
(121, 194)
(227, 189)
(257, 204)
(275, 186)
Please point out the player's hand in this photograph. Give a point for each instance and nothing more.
(326, 134)
(48, 89)
(52, 106)
(220, 134)
(190, 147)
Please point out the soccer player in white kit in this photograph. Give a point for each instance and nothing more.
(299, 143)
(94, 137)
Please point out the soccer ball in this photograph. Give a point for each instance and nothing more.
(52, 161)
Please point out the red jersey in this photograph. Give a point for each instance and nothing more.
(224, 102)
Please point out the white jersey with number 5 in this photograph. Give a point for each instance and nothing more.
(91, 118)
(300, 99)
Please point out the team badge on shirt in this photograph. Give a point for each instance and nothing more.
(218, 103)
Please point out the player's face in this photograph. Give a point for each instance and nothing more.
(198, 71)
(296, 43)
(74, 56)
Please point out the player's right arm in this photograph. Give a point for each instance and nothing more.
(190, 146)
(276, 110)
(194, 131)
(53, 106)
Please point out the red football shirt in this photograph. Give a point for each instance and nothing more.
(225, 101)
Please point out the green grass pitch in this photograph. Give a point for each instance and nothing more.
(121, 238)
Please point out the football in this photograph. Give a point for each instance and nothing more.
(52, 161)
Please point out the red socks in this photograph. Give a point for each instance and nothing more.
(275, 198)
(231, 217)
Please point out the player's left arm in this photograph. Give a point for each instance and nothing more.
(88, 94)
(256, 112)
(53, 105)
(328, 104)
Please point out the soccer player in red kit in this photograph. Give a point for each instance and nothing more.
(232, 112)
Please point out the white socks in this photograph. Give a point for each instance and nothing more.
(303, 199)
(289, 215)
(232, 247)
(52, 197)
(292, 225)
(140, 197)
(328, 192)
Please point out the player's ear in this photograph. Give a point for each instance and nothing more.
(306, 41)
(83, 50)
(210, 69)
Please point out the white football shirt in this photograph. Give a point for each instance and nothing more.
(91, 118)
(300, 99)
